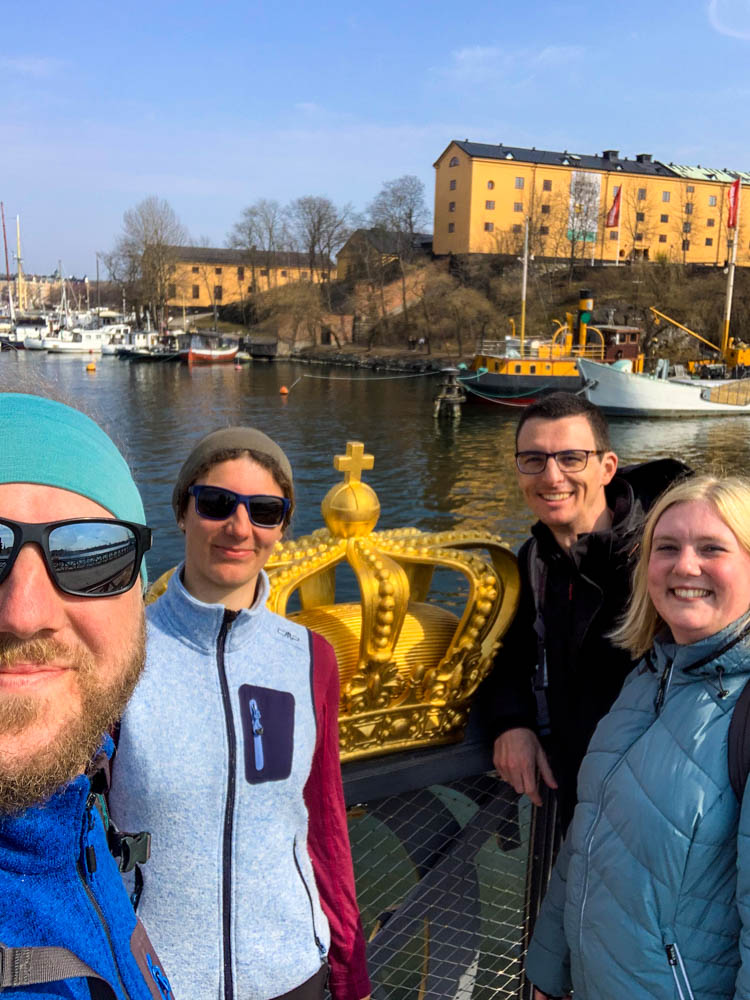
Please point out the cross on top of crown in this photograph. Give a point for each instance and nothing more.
(354, 462)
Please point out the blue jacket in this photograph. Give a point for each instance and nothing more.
(650, 896)
(60, 886)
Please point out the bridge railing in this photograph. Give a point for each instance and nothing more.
(451, 865)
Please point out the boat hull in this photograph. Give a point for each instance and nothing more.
(623, 394)
(516, 390)
(71, 349)
(142, 356)
(209, 357)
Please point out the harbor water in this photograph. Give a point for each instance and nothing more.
(430, 474)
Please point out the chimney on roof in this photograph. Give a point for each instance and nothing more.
(610, 154)
(643, 157)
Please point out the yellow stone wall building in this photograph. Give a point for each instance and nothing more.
(484, 194)
(208, 276)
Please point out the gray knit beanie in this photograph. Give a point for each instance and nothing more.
(225, 439)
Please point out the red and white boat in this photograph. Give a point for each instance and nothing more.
(209, 349)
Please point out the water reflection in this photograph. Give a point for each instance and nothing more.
(430, 474)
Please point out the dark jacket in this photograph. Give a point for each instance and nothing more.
(585, 591)
(61, 887)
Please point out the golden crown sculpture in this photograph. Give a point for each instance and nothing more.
(407, 667)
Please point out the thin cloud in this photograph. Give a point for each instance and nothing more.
(730, 17)
(497, 64)
(39, 67)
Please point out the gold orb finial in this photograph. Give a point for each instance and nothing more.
(351, 508)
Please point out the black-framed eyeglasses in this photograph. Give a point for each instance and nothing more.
(85, 557)
(217, 504)
(531, 463)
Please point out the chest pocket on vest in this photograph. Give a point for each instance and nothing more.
(268, 727)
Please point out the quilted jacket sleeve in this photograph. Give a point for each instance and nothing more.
(548, 957)
(742, 984)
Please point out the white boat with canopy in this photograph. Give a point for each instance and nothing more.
(622, 393)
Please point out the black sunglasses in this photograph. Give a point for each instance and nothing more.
(86, 557)
(217, 504)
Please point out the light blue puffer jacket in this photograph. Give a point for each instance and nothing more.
(650, 896)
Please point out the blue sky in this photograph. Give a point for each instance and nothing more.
(213, 105)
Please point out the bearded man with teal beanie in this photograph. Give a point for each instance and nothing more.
(72, 542)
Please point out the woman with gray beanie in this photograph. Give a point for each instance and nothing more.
(228, 754)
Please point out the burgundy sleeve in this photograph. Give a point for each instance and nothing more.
(328, 836)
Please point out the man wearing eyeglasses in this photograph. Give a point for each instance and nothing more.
(72, 541)
(558, 672)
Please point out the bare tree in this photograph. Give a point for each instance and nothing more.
(400, 210)
(318, 228)
(260, 232)
(584, 214)
(637, 221)
(144, 256)
(684, 220)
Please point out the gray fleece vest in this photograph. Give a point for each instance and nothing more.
(215, 749)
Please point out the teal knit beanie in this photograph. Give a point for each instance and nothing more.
(49, 443)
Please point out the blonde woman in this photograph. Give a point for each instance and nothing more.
(650, 896)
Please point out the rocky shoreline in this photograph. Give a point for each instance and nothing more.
(380, 359)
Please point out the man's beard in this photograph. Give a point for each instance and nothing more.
(71, 750)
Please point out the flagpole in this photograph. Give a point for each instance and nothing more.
(613, 219)
(730, 275)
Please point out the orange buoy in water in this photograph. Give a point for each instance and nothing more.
(284, 391)
(238, 367)
(91, 366)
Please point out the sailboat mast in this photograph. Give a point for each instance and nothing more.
(7, 265)
(21, 287)
(730, 277)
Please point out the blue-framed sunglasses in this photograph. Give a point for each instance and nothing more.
(85, 557)
(217, 504)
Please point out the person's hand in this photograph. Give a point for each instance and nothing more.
(518, 758)
(538, 995)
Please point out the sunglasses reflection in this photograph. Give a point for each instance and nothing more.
(86, 558)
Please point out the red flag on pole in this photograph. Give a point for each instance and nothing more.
(613, 215)
(734, 204)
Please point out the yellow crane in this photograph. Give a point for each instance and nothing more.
(732, 354)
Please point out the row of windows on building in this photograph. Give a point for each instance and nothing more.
(490, 206)
(489, 227)
(218, 292)
(642, 195)
(667, 196)
(519, 184)
(263, 272)
(545, 210)
(709, 242)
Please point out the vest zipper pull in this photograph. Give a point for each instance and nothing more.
(257, 724)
